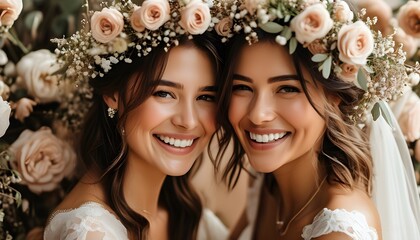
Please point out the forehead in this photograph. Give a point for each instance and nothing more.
(264, 60)
(187, 63)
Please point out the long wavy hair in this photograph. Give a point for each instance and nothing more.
(344, 153)
(103, 148)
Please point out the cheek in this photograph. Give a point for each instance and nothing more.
(207, 115)
(237, 110)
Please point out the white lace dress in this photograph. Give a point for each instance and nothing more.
(352, 223)
(92, 221)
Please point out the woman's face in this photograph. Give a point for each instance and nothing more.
(173, 126)
(270, 113)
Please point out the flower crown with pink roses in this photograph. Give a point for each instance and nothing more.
(120, 31)
(338, 40)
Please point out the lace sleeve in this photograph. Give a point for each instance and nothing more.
(352, 223)
(88, 222)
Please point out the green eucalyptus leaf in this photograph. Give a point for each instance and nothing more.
(385, 112)
(70, 6)
(286, 33)
(368, 69)
(319, 57)
(292, 45)
(33, 19)
(326, 69)
(376, 112)
(362, 80)
(271, 27)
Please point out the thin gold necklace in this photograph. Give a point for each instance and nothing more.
(280, 224)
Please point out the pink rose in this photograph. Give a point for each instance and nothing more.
(106, 24)
(409, 18)
(381, 10)
(152, 14)
(342, 12)
(135, 21)
(252, 5)
(42, 159)
(316, 47)
(312, 23)
(355, 43)
(348, 72)
(4, 116)
(408, 42)
(223, 28)
(23, 108)
(195, 17)
(10, 10)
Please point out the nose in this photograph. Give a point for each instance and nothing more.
(186, 116)
(261, 109)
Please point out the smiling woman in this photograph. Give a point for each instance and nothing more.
(138, 158)
(152, 116)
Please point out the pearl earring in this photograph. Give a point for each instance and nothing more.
(111, 112)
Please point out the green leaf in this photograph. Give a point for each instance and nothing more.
(33, 19)
(292, 45)
(320, 57)
(368, 69)
(362, 80)
(385, 112)
(271, 27)
(287, 33)
(326, 69)
(376, 112)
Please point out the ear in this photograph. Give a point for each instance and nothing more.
(111, 100)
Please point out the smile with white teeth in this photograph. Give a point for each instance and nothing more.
(179, 143)
(265, 138)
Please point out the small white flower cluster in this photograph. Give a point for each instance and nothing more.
(122, 31)
(340, 42)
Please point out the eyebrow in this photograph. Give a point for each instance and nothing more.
(168, 83)
(270, 80)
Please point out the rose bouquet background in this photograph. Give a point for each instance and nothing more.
(37, 155)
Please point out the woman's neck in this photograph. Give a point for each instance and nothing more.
(142, 184)
(297, 181)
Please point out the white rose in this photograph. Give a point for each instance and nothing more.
(10, 11)
(342, 12)
(4, 116)
(355, 43)
(195, 17)
(36, 68)
(312, 23)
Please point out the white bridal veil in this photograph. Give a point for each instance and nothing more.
(394, 188)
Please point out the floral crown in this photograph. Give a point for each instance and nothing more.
(119, 32)
(339, 42)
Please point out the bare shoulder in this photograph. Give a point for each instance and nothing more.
(353, 200)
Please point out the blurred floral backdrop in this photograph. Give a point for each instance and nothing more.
(37, 156)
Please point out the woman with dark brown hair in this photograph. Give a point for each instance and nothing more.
(153, 81)
(294, 107)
